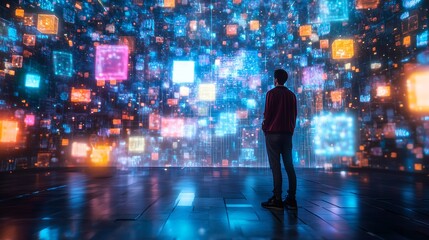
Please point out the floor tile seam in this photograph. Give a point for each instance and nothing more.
(34, 193)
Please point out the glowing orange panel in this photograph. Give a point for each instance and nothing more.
(80, 95)
(19, 12)
(254, 25)
(336, 96)
(407, 41)
(47, 23)
(231, 30)
(305, 30)
(324, 43)
(343, 49)
(8, 131)
(417, 87)
(100, 155)
(367, 4)
(169, 3)
(29, 40)
(383, 91)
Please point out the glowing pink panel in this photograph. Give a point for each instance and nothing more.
(111, 62)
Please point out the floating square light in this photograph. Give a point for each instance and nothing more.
(47, 23)
(172, 127)
(29, 40)
(100, 156)
(80, 95)
(8, 131)
(417, 86)
(227, 124)
(154, 121)
(313, 77)
(336, 96)
(383, 91)
(343, 49)
(79, 149)
(17, 61)
(254, 25)
(324, 43)
(136, 144)
(367, 4)
(406, 41)
(184, 91)
(29, 119)
(111, 62)
(183, 71)
(305, 30)
(334, 135)
(32, 80)
(231, 29)
(169, 3)
(207, 92)
(325, 11)
(19, 12)
(63, 63)
(29, 20)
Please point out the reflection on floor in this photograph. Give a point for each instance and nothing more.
(211, 203)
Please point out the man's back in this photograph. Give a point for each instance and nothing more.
(280, 111)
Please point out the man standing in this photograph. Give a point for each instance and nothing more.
(278, 126)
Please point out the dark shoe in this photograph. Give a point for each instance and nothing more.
(273, 203)
(290, 204)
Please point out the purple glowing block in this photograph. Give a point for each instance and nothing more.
(111, 62)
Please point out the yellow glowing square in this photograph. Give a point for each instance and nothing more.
(169, 3)
(417, 87)
(383, 91)
(136, 144)
(100, 155)
(207, 92)
(64, 142)
(47, 23)
(8, 131)
(407, 41)
(418, 166)
(19, 12)
(336, 96)
(343, 49)
(254, 25)
(305, 30)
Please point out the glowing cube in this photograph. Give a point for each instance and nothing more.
(407, 41)
(305, 30)
(231, 29)
(367, 4)
(17, 61)
(154, 121)
(313, 77)
(100, 155)
(79, 149)
(19, 12)
(254, 25)
(324, 44)
(343, 49)
(334, 135)
(136, 144)
(80, 95)
(227, 124)
(336, 96)
(383, 91)
(184, 91)
(29, 40)
(32, 80)
(183, 71)
(29, 119)
(417, 87)
(111, 62)
(207, 92)
(172, 127)
(8, 131)
(169, 3)
(29, 19)
(322, 11)
(47, 23)
(63, 63)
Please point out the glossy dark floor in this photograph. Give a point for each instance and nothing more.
(211, 203)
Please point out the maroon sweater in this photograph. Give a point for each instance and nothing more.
(280, 111)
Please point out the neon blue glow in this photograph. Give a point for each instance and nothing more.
(32, 80)
(185, 199)
(410, 3)
(400, 132)
(422, 39)
(334, 135)
(365, 98)
(227, 124)
(63, 64)
(323, 11)
(183, 71)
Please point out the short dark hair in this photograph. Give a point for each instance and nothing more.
(281, 76)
